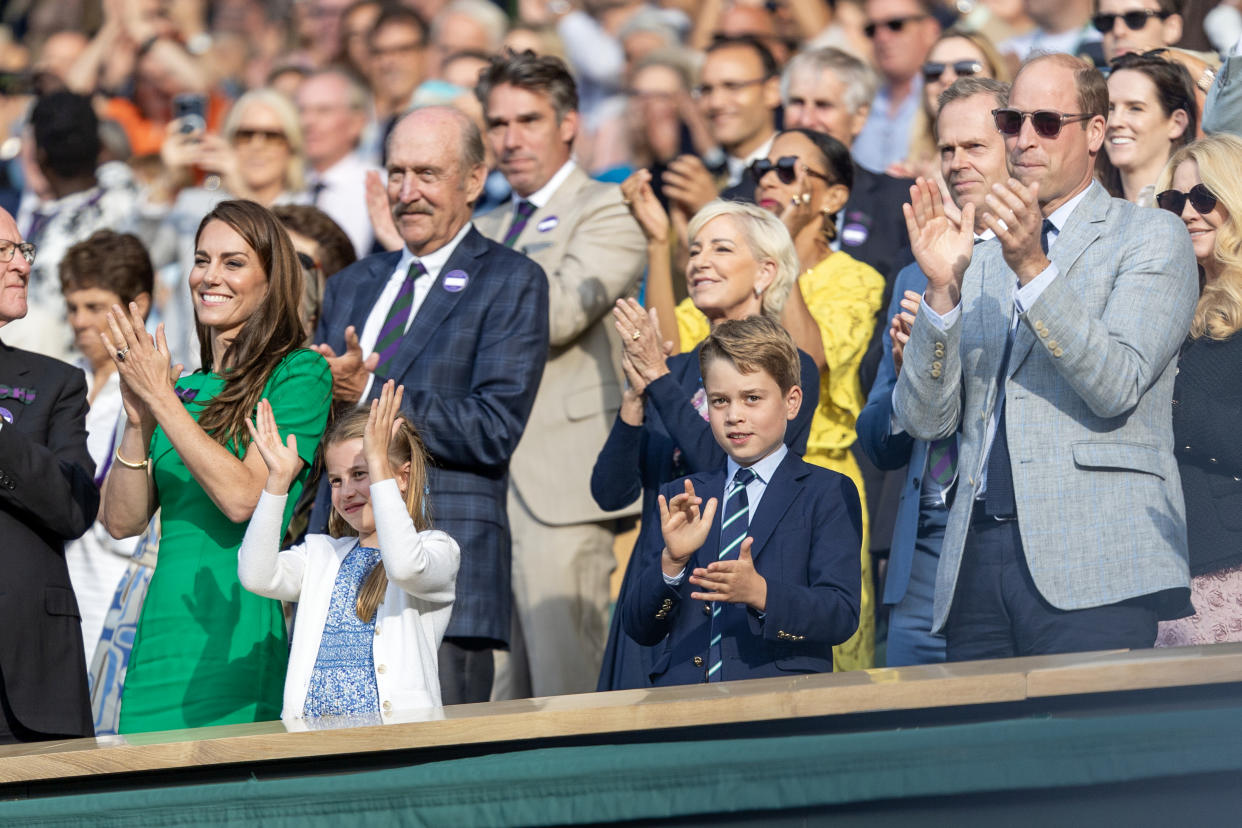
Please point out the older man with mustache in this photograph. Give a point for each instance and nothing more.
(462, 323)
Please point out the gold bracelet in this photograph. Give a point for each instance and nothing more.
(127, 464)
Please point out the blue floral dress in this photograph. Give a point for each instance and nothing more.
(342, 682)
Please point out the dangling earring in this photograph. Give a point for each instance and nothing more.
(828, 227)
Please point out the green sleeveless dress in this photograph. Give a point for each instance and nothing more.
(206, 651)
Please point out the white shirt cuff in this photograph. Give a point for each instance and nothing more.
(1028, 293)
(942, 323)
(674, 580)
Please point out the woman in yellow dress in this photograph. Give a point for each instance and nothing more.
(806, 180)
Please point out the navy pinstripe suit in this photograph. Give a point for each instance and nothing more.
(470, 362)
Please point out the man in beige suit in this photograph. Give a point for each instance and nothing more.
(593, 252)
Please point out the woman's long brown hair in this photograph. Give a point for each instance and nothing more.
(406, 447)
(267, 337)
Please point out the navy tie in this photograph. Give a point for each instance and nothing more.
(998, 499)
(734, 525)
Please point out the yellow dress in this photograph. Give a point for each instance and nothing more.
(843, 296)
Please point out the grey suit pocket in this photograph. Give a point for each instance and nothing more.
(1119, 457)
(60, 601)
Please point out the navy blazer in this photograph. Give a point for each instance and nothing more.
(470, 362)
(807, 532)
(673, 441)
(890, 451)
(47, 496)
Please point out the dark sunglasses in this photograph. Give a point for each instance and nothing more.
(267, 136)
(1046, 122)
(786, 168)
(1199, 197)
(1134, 20)
(895, 25)
(962, 68)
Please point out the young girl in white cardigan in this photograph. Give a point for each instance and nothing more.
(374, 598)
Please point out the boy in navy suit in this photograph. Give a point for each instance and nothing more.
(771, 586)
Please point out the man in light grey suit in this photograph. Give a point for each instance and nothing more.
(1051, 350)
(593, 252)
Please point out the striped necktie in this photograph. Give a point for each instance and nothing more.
(735, 523)
(389, 340)
(525, 210)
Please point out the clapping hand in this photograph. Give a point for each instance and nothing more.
(735, 582)
(640, 340)
(143, 362)
(1013, 214)
(383, 424)
(349, 370)
(941, 247)
(282, 460)
(684, 527)
(641, 200)
(899, 329)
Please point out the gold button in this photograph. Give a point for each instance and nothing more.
(377, 629)
(935, 373)
(937, 365)
(1058, 353)
(1052, 343)
(707, 608)
(381, 669)
(387, 705)
(698, 661)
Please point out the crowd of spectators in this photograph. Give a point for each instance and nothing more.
(507, 231)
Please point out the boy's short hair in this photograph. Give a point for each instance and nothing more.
(115, 262)
(754, 344)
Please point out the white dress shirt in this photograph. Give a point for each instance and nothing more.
(433, 263)
(341, 192)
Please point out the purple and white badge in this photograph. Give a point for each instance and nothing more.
(455, 281)
(547, 224)
(6, 415)
(853, 234)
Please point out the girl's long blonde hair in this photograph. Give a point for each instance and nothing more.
(1219, 313)
(406, 447)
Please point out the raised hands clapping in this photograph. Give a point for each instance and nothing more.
(282, 460)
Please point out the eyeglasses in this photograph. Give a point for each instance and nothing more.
(265, 136)
(1199, 196)
(1134, 20)
(732, 87)
(8, 248)
(1046, 122)
(962, 68)
(786, 168)
(895, 25)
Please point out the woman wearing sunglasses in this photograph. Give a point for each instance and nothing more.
(1151, 113)
(1201, 184)
(806, 180)
(258, 157)
(957, 54)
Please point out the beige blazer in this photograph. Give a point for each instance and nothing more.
(593, 253)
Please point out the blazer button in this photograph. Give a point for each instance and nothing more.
(936, 365)
(1058, 353)
(1052, 343)
(698, 661)
(707, 608)
(935, 373)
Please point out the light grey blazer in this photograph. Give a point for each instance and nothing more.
(1088, 406)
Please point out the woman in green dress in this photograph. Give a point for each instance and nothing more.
(206, 651)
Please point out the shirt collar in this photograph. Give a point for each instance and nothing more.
(763, 469)
(1061, 215)
(540, 197)
(434, 261)
(737, 166)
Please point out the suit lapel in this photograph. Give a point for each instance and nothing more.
(368, 293)
(440, 302)
(1081, 230)
(779, 495)
(560, 202)
(713, 486)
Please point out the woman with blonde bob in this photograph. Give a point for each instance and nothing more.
(1202, 186)
(742, 263)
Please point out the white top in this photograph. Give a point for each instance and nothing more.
(344, 199)
(409, 624)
